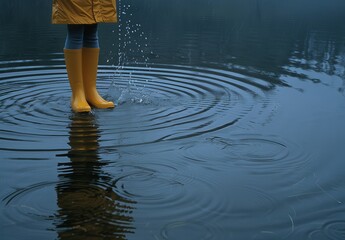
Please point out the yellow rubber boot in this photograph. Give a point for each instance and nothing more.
(90, 65)
(73, 59)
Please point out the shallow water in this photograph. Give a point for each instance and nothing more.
(229, 124)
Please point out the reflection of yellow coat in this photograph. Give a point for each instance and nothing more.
(83, 11)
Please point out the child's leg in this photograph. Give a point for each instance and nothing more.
(75, 35)
(90, 38)
(73, 59)
(90, 65)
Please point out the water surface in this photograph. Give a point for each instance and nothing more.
(229, 124)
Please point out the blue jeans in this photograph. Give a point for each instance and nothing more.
(82, 35)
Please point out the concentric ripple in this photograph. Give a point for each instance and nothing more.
(258, 153)
(174, 202)
(333, 228)
(179, 102)
(161, 102)
(34, 106)
(73, 207)
(160, 189)
(195, 230)
(24, 209)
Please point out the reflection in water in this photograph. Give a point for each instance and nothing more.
(88, 205)
(320, 52)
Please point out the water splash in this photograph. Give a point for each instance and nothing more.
(132, 49)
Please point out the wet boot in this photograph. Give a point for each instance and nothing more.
(73, 59)
(90, 65)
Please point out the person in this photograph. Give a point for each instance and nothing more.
(81, 50)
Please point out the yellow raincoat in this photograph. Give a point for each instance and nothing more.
(83, 11)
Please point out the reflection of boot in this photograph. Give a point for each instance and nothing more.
(87, 201)
(90, 65)
(83, 138)
(73, 59)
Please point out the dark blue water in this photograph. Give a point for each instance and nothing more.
(229, 124)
